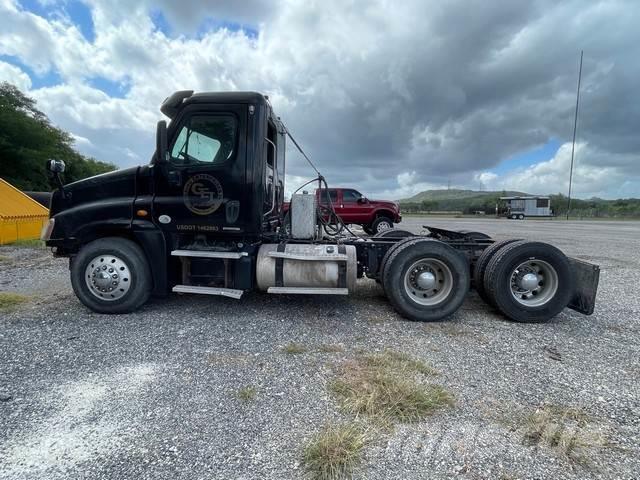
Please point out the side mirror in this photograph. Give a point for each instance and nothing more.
(363, 200)
(162, 151)
(56, 166)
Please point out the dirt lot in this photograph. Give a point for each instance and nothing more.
(194, 387)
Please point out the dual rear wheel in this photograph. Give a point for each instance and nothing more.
(427, 280)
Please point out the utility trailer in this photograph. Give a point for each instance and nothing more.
(206, 217)
(518, 208)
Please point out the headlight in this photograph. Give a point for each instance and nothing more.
(45, 234)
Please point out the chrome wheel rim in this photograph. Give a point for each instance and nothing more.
(428, 281)
(533, 283)
(108, 277)
(382, 226)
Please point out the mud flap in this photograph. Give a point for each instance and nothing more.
(587, 276)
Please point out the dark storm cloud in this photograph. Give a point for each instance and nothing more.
(484, 81)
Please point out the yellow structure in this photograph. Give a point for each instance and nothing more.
(21, 217)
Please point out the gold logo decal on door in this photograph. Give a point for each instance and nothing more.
(202, 194)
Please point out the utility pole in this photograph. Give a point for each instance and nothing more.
(575, 126)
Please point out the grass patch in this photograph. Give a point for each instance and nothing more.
(246, 394)
(294, 348)
(384, 386)
(390, 359)
(4, 258)
(566, 430)
(330, 349)
(8, 300)
(334, 452)
(228, 359)
(31, 243)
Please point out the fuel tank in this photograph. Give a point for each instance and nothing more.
(306, 265)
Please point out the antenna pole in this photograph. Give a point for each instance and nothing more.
(575, 126)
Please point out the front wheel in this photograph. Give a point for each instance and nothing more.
(111, 275)
(426, 280)
(381, 224)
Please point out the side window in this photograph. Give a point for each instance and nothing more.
(350, 196)
(542, 202)
(206, 139)
(325, 195)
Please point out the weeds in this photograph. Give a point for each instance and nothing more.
(398, 360)
(335, 451)
(330, 349)
(8, 300)
(383, 386)
(246, 394)
(563, 429)
(294, 348)
(31, 243)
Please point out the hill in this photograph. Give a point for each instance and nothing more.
(471, 201)
(456, 194)
(28, 140)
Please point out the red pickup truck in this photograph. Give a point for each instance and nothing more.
(354, 208)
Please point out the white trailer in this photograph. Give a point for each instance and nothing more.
(521, 207)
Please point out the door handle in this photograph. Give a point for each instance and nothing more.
(174, 177)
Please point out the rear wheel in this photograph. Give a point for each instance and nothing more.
(381, 224)
(481, 266)
(111, 275)
(383, 264)
(529, 281)
(521, 217)
(426, 280)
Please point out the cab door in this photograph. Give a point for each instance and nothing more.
(354, 206)
(200, 187)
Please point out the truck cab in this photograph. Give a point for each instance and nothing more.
(219, 183)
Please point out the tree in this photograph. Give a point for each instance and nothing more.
(28, 140)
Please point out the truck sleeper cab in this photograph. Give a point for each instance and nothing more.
(206, 217)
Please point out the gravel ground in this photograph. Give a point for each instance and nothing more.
(154, 394)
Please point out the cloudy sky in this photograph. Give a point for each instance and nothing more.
(390, 97)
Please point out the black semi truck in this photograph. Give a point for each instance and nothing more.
(206, 217)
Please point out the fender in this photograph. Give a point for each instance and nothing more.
(154, 244)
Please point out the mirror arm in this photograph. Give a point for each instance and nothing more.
(56, 177)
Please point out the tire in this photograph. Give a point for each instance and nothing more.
(381, 223)
(450, 272)
(134, 277)
(368, 230)
(481, 266)
(554, 279)
(385, 259)
(394, 233)
(520, 217)
(513, 217)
